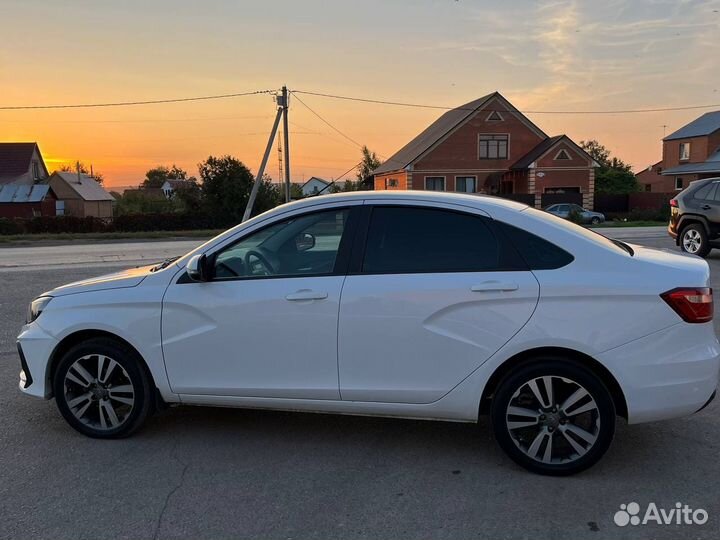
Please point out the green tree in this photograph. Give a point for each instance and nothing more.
(157, 176)
(369, 163)
(613, 175)
(226, 186)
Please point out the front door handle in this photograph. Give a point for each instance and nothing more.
(306, 294)
(705, 207)
(494, 286)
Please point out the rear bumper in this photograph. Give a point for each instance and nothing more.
(35, 348)
(668, 374)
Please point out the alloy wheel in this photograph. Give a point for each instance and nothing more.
(692, 241)
(99, 392)
(553, 420)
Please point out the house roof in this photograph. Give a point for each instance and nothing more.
(545, 146)
(315, 178)
(19, 193)
(710, 165)
(705, 125)
(15, 159)
(434, 132)
(178, 183)
(525, 161)
(85, 186)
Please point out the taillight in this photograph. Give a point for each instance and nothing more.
(694, 305)
(673, 203)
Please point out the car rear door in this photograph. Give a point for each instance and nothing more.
(433, 292)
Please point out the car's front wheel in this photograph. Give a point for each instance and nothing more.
(595, 220)
(101, 389)
(694, 240)
(553, 417)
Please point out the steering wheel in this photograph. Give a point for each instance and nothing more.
(266, 269)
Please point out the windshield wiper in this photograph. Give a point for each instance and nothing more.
(165, 263)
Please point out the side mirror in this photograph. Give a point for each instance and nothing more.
(304, 241)
(197, 268)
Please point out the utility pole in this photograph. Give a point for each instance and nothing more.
(263, 163)
(286, 141)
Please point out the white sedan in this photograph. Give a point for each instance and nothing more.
(404, 304)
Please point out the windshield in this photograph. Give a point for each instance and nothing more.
(588, 234)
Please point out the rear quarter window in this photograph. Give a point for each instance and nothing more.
(538, 253)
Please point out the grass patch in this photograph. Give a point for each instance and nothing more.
(610, 224)
(141, 235)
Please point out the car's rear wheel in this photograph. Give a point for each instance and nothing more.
(102, 389)
(694, 240)
(553, 417)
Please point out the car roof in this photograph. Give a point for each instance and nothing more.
(466, 199)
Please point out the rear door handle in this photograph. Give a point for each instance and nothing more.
(306, 294)
(494, 286)
(705, 207)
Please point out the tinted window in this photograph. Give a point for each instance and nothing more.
(538, 254)
(412, 240)
(705, 192)
(304, 245)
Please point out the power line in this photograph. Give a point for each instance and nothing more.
(129, 103)
(424, 106)
(328, 123)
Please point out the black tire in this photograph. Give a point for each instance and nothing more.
(697, 230)
(133, 371)
(600, 419)
(595, 220)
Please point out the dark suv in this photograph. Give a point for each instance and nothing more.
(695, 217)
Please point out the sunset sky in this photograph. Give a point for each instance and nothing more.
(543, 56)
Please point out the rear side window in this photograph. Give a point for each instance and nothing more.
(538, 254)
(706, 192)
(404, 240)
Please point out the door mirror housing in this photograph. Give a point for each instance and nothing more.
(197, 268)
(304, 242)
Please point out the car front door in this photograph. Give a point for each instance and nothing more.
(265, 323)
(436, 293)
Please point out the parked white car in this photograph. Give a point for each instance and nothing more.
(404, 304)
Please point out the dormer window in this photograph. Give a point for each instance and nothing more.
(494, 117)
(562, 154)
(36, 170)
(684, 151)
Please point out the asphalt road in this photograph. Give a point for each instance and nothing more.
(224, 473)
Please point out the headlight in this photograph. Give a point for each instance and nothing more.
(36, 308)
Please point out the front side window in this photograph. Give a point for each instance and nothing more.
(299, 246)
(493, 146)
(418, 240)
(465, 184)
(684, 151)
(435, 183)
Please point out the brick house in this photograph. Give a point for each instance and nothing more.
(651, 179)
(691, 152)
(488, 146)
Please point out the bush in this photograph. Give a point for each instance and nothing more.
(125, 223)
(11, 226)
(660, 214)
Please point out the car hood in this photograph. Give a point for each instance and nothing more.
(117, 280)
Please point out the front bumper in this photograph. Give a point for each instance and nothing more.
(35, 348)
(668, 374)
